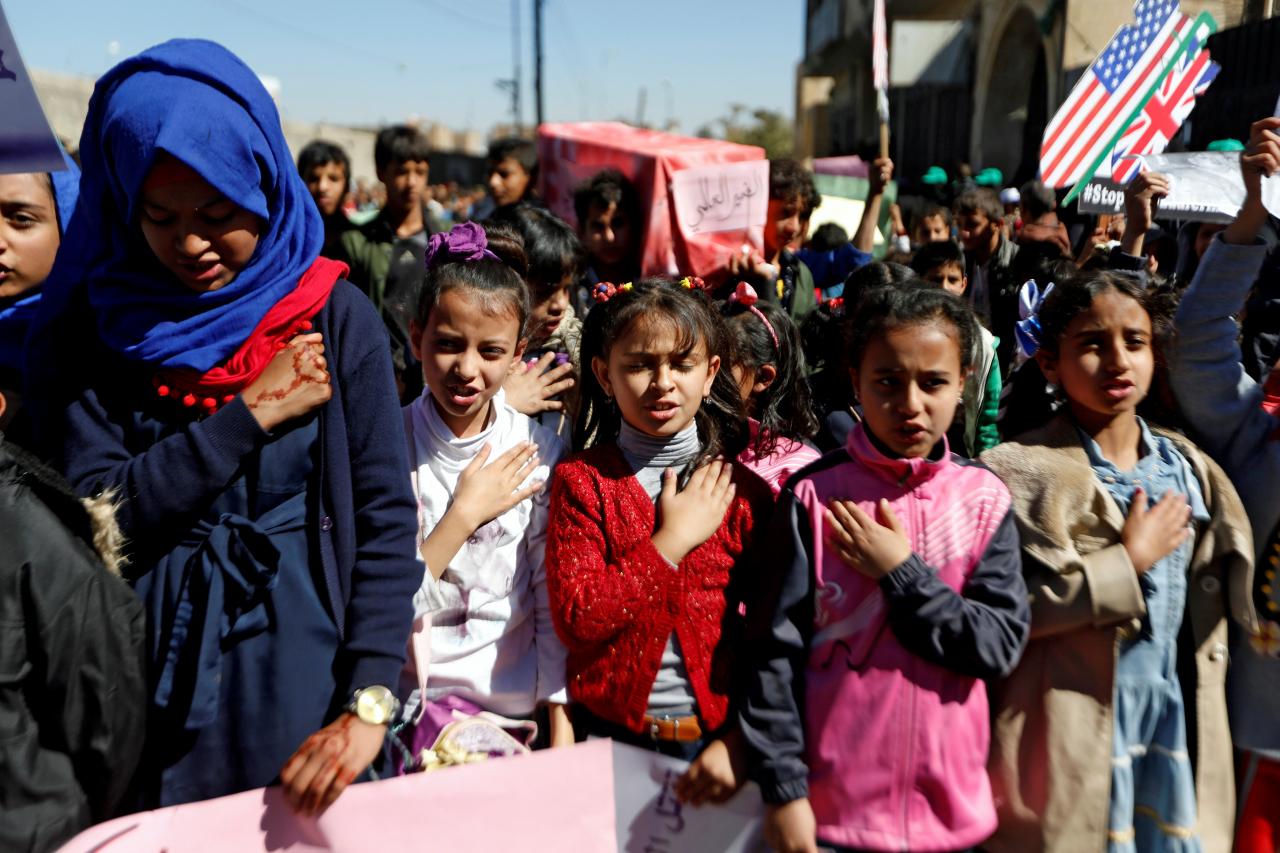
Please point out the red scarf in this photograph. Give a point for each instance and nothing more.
(1271, 399)
(291, 316)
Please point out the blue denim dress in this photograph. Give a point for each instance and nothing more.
(242, 644)
(1153, 794)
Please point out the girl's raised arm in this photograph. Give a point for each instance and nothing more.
(1220, 400)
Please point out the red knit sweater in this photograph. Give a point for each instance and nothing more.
(615, 599)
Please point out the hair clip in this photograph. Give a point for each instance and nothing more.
(692, 282)
(1027, 329)
(625, 287)
(603, 292)
(836, 306)
(464, 242)
(746, 296)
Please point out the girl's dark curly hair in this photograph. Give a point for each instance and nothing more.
(910, 303)
(785, 408)
(721, 420)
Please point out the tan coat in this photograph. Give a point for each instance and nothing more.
(1051, 740)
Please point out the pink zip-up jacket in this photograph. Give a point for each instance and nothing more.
(891, 744)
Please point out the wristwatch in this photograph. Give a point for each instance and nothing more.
(375, 705)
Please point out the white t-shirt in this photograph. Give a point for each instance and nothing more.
(488, 619)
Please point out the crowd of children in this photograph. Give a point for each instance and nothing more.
(953, 551)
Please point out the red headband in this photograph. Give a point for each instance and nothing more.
(745, 295)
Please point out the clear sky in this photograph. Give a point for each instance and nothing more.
(375, 61)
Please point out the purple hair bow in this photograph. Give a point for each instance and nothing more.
(465, 242)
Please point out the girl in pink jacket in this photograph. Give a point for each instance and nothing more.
(898, 590)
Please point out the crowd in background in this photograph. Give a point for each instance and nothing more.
(959, 537)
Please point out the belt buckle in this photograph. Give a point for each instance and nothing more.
(655, 727)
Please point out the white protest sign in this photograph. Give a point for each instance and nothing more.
(26, 142)
(721, 197)
(1206, 186)
(651, 820)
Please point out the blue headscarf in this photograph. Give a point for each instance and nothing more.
(16, 314)
(198, 102)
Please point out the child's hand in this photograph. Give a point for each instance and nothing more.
(328, 761)
(879, 175)
(1260, 158)
(295, 382)
(750, 265)
(1152, 534)
(791, 827)
(716, 774)
(874, 547)
(529, 390)
(1139, 196)
(691, 516)
(485, 492)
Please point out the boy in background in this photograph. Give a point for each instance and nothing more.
(390, 242)
(933, 224)
(326, 169)
(989, 260)
(942, 264)
(513, 173)
(608, 211)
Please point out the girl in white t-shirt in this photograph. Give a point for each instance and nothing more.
(483, 638)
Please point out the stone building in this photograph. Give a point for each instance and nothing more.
(970, 80)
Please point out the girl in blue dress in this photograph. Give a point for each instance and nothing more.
(236, 395)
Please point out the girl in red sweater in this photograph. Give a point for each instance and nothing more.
(648, 530)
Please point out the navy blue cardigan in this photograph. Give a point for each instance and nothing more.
(364, 519)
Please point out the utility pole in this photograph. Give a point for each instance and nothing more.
(511, 85)
(537, 57)
(517, 117)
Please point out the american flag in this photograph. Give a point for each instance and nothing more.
(1164, 113)
(1105, 99)
(880, 59)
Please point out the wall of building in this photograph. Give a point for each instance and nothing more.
(65, 100)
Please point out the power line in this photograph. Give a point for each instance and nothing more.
(308, 34)
(490, 25)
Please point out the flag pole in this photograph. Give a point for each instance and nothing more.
(880, 71)
(883, 108)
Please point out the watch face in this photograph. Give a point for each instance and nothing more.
(375, 705)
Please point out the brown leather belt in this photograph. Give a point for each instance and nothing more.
(680, 729)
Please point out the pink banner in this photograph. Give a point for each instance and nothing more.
(556, 800)
(569, 153)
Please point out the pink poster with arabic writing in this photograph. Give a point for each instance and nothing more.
(733, 197)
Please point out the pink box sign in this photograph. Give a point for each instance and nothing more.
(559, 799)
(570, 153)
(595, 797)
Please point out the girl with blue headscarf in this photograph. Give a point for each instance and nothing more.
(237, 396)
(34, 211)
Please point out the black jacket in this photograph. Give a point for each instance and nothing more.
(72, 680)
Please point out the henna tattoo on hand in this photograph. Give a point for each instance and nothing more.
(276, 395)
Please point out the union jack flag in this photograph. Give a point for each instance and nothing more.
(1168, 108)
(1105, 99)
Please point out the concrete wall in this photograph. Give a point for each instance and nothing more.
(66, 100)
